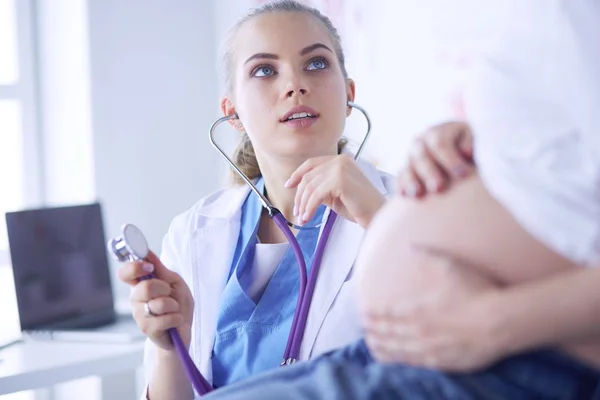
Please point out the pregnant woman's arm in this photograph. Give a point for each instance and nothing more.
(464, 322)
(559, 310)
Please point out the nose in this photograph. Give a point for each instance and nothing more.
(298, 91)
(295, 86)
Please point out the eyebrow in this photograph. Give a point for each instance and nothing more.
(314, 47)
(303, 52)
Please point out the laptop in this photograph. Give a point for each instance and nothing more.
(62, 276)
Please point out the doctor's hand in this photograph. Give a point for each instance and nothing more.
(338, 183)
(160, 303)
(444, 321)
(436, 157)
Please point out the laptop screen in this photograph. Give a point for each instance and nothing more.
(60, 265)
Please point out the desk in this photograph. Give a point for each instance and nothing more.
(38, 364)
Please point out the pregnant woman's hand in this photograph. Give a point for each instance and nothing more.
(437, 156)
(442, 321)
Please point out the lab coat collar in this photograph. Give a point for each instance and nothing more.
(225, 203)
(228, 202)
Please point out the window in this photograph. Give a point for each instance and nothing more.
(19, 184)
(11, 150)
(8, 48)
(19, 176)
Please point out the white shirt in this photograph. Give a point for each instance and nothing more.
(267, 257)
(533, 101)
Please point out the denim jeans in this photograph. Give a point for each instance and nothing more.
(352, 374)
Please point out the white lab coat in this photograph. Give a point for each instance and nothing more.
(200, 244)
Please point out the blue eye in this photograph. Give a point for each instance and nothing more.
(263, 71)
(318, 63)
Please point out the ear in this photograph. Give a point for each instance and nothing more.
(351, 92)
(228, 108)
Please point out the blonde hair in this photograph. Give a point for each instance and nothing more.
(244, 156)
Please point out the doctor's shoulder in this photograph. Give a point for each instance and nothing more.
(383, 181)
(389, 182)
(223, 203)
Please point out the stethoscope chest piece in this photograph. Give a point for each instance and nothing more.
(131, 245)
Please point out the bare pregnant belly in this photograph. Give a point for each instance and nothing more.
(467, 223)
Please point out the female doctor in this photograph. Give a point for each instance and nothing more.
(226, 278)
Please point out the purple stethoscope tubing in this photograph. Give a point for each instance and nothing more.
(200, 384)
(307, 287)
(306, 290)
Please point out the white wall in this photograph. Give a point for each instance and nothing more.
(153, 97)
(128, 93)
(65, 112)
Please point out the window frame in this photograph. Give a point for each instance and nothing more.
(26, 91)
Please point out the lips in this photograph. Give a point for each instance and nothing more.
(299, 113)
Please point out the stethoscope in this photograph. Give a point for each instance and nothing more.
(132, 246)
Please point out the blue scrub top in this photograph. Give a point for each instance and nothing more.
(251, 337)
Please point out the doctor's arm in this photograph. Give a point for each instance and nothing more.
(171, 305)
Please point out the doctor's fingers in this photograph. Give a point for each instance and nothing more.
(307, 182)
(156, 306)
(162, 272)
(154, 326)
(316, 192)
(305, 168)
(336, 173)
(327, 184)
(150, 289)
(131, 272)
(444, 145)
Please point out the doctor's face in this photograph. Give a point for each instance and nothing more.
(288, 87)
